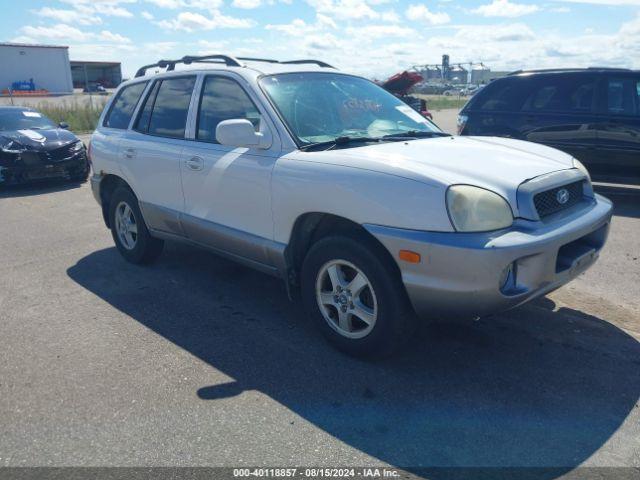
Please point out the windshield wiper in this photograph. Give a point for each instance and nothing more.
(339, 141)
(416, 134)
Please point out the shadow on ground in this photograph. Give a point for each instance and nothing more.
(37, 188)
(534, 387)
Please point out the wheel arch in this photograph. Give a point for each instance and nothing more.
(108, 185)
(313, 226)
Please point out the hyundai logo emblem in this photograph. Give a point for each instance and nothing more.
(562, 196)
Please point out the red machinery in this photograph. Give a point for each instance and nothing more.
(400, 84)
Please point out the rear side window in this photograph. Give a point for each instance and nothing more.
(623, 96)
(562, 94)
(123, 106)
(223, 99)
(166, 108)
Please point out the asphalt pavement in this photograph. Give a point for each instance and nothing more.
(198, 361)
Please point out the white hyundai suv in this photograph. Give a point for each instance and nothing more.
(329, 182)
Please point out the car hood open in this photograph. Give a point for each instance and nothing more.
(498, 164)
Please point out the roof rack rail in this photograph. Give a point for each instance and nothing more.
(226, 59)
(187, 60)
(320, 63)
(560, 70)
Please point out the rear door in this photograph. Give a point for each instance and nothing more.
(619, 128)
(151, 151)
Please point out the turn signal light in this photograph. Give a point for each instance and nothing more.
(409, 256)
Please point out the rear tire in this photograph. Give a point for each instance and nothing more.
(129, 231)
(355, 296)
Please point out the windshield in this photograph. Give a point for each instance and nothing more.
(320, 107)
(15, 119)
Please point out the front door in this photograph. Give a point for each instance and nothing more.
(227, 190)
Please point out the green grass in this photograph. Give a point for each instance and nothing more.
(82, 116)
(441, 102)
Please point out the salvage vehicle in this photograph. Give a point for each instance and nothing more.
(364, 208)
(400, 85)
(592, 114)
(33, 147)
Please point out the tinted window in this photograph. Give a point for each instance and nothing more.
(171, 106)
(561, 93)
(122, 108)
(502, 95)
(623, 96)
(142, 124)
(223, 99)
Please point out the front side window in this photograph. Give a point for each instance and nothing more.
(319, 107)
(123, 106)
(223, 99)
(169, 108)
(623, 96)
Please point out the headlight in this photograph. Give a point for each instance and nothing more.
(12, 147)
(76, 147)
(581, 167)
(474, 209)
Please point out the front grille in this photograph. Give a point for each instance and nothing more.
(59, 154)
(551, 201)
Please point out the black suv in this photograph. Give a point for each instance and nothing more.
(592, 114)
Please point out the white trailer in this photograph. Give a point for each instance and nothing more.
(47, 65)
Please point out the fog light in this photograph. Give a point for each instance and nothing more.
(508, 277)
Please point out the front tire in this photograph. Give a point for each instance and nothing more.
(355, 295)
(129, 231)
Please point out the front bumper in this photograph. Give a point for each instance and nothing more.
(21, 173)
(460, 274)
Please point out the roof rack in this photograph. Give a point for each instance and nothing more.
(226, 59)
(560, 70)
(187, 60)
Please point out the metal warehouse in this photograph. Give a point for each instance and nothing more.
(107, 74)
(45, 67)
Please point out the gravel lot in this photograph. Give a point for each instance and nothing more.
(197, 361)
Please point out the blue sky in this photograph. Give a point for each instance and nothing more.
(371, 37)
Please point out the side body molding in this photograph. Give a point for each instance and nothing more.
(257, 252)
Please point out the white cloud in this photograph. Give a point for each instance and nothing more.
(108, 36)
(190, 22)
(344, 9)
(379, 31)
(505, 8)
(422, 13)
(68, 16)
(147, 15)
(197, 4)
(56, 32)
(632, 3)
(246, 4)
(71, 34)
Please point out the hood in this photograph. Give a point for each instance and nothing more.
(497, 164)
(42, 140)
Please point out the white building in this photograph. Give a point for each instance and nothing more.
(47, 65)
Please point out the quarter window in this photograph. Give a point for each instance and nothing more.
(223, 99)
(123, 106)
(165, 113)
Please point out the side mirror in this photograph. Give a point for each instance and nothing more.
(238, 133)
(64, 125)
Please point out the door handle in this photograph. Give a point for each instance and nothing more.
(129, 153)
(195, 163)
